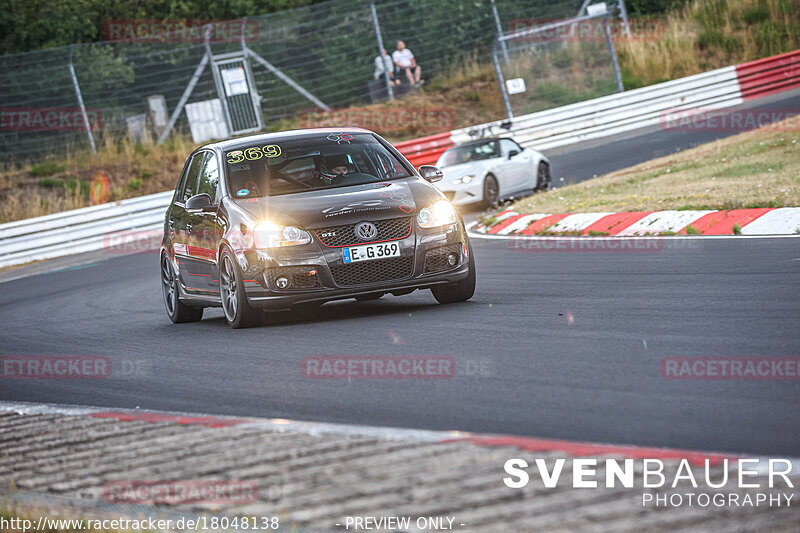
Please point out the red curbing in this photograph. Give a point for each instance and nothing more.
(614, 223)
(722, 222)
(505, 223)
(543, 223)
(582, 449)
(207, 421)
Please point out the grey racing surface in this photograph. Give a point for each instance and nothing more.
(575, 163)
(556, 344)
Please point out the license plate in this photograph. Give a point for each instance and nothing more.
(382, 250)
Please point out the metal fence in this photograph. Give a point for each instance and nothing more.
(64, 99)
(541, 63)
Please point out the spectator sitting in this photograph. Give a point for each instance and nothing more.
(404, 62)
(384, 67)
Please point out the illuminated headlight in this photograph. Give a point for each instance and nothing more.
(269, 235)
(439, 214)
(464, 179)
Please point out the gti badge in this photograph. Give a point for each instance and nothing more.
(366, 231)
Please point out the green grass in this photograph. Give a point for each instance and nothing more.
(48, 168)
(753, 169)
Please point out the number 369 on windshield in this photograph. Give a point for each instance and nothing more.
(253, 154)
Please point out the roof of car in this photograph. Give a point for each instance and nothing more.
(267, 137)
(479, 141)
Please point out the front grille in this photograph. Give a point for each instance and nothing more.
(436, 259)
(361, 273)
(298, 275)
(393, 228)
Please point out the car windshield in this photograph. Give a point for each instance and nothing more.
(308, 162)
(469, 152)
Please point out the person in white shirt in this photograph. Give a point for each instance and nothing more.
(404, 61)
(385, 67)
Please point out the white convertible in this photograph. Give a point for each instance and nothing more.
(490, 170)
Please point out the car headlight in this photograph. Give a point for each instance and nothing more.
(269, 235)
(464, 179)
(438, 214)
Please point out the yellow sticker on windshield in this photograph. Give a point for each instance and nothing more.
(253, 154)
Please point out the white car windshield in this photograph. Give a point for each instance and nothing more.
(469, 152)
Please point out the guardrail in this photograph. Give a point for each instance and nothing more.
(86, 229)
(80, 230)
(617, 113)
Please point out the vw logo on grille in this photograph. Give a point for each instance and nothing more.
(366, 231)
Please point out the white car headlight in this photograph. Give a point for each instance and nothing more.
(440, 213)
(269, 235)
(464, 179)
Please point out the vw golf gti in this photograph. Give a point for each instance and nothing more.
(299, 218)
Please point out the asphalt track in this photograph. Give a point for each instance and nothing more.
(554, 344)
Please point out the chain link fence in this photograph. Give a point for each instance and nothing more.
(61, 100)
(545, 63)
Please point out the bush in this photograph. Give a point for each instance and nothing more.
(47, 168)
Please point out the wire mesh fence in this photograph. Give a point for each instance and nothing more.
(319, 55)
(542, 64)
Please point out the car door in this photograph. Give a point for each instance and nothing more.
(517, 167)
(499, 165)
(205, 230)
(182, 221)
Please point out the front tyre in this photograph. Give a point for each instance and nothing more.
(235, 306)
(544, 181)
(177, 311)
(491, 192)
(460, 291)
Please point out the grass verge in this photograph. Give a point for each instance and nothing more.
(759, 168)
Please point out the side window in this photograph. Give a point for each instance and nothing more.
(192, 176)
(209, 177)
(507, 145)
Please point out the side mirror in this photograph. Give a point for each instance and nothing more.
(200, 203)
(512, 153)
(430, 173)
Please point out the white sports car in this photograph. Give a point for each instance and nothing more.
(490, 170)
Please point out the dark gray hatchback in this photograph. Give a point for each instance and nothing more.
(299, 218)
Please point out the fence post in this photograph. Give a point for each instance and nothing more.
(499, 30)
(613, 52)
(377, 25)
(623, 11)
(80, 102)
(254, 96)
(502, 82)
(184, 97)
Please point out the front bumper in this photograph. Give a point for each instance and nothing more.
(464, 193)
(420, 265)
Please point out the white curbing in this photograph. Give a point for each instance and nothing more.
(578, 221)
(663, 221)
(520, 224)
(781, 220)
